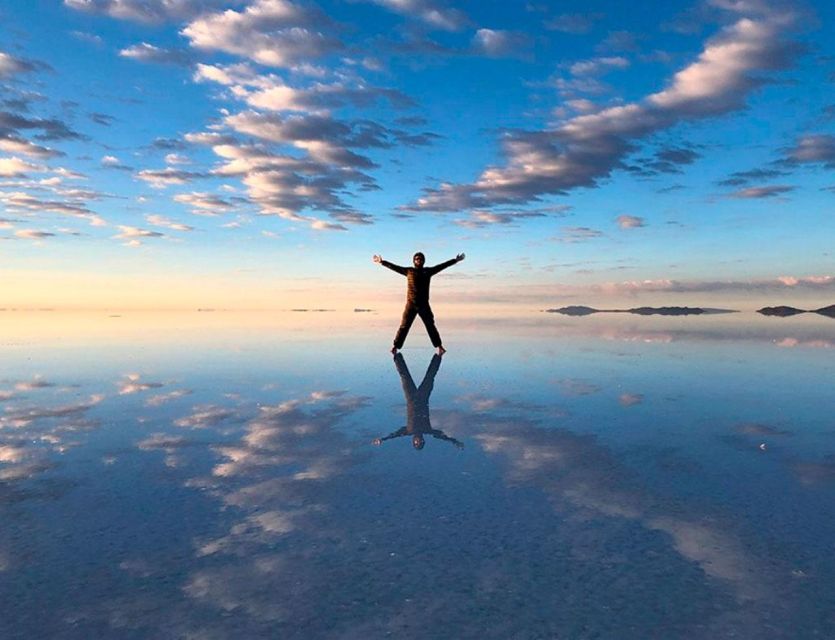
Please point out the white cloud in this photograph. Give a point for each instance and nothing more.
(134, 235)
(162, 221)
(204, 203)
(148, 10)
(271, 92)
(14, 167)
(145, 52)
(630, 222)
(497, 43)
(596, 66)
(431, 13)
(586, 148)
(132, 382)
(12, 144)
(162, 178)
(275, 33)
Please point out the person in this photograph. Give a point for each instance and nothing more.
(417, 406)
(417, 297)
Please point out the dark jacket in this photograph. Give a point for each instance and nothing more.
(417, 280)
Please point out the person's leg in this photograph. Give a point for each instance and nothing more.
(406, 321)
(429, 320)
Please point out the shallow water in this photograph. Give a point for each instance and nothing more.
(213, 475)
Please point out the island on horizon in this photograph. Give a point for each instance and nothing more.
(579, 310)
(784, 311)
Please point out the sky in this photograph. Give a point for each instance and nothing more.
(254, 154)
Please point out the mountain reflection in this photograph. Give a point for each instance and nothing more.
(418, 424)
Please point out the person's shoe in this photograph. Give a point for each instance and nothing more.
(394, 349)
(441, 351)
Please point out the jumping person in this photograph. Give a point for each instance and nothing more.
(417, 297)
(417, 406)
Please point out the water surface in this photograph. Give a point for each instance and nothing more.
(215, 475)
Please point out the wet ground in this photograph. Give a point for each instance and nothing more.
(213, 476)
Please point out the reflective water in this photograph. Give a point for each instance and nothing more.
(214, 476)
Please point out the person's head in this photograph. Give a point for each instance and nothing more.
(417, 441)
(418, 259)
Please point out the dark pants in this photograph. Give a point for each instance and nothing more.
(409, 313)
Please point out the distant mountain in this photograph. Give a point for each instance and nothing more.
(827, 311)
(574, 311)
(641, 311)
(667, 311)
(782, 311)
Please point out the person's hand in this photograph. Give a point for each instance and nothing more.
(377, 441)
(460, 257)
(377, 259)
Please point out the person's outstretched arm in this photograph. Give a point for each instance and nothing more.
(448, 263)
(394, 267)
(394, 434)
(440, 435)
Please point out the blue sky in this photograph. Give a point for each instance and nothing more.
(255, 153)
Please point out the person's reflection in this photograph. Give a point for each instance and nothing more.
(417, 406)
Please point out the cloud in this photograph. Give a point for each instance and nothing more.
(583, 150)
(205, 416)
(204, 203)
(102, 118)
(85, 36)
(272, 93)
(164, 398)
(36, 383)
(72, 204)
(285, 185)
(11, 65)
(783, 283)
(23, 417)
(499, 44)
(578, 473)
(145, 52)
(175, 158)
(134, 235)
(133, 384)
(11, 143)
(162, 221)
(433, 14)
(630, 222)
(739, 178)
(275, 33)
(168, 144)
(597, 66)
(14, 167)
(162, 178)
(112, 162)
(353, 217)
(573, 235)
(814, 149)
(51, 128)
(148, 11)
(761, 192)
(33, 234)
(481, 219)
(630, 399)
